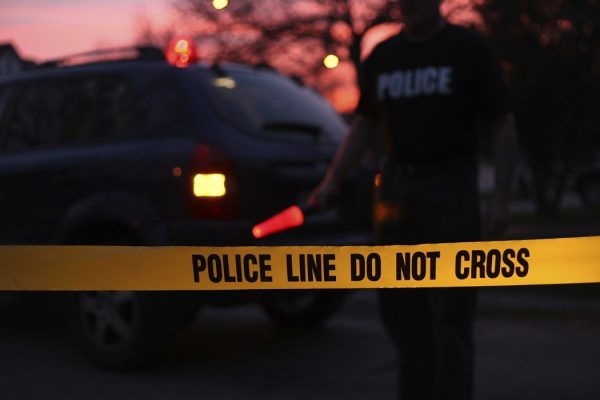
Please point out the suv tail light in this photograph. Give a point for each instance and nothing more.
(213, 189)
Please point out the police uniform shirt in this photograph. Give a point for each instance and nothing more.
(427, 96)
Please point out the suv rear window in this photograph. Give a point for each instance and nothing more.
(267, 102)
(57, 112)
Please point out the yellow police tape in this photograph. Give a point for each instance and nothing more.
(501, 263)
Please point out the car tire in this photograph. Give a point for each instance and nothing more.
(122, 330)
(303, 308)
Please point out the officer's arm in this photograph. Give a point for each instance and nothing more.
(504, 135)
(349, 153)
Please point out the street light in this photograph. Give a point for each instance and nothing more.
(220, 4)
(331, 61)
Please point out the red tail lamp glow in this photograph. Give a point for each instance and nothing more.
(289, 218)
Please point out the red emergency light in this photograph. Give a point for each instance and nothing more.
(181, 52)
(291, 217)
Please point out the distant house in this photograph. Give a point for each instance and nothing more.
(10, 60)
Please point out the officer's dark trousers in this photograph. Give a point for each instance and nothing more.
(431, 328)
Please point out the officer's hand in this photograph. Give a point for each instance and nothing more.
(323, 194)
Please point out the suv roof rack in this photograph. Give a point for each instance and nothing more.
(132, 53)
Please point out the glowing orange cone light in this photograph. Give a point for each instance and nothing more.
(291, 217)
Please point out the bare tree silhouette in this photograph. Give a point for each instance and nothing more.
(293, 36)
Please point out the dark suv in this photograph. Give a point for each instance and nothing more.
(139, 152)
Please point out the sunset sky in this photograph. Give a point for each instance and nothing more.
(44, 29)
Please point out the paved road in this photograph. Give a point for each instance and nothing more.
(532, 344)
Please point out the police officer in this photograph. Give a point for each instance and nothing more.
(424, 92)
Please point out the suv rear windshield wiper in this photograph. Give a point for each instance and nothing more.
(295, 127)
